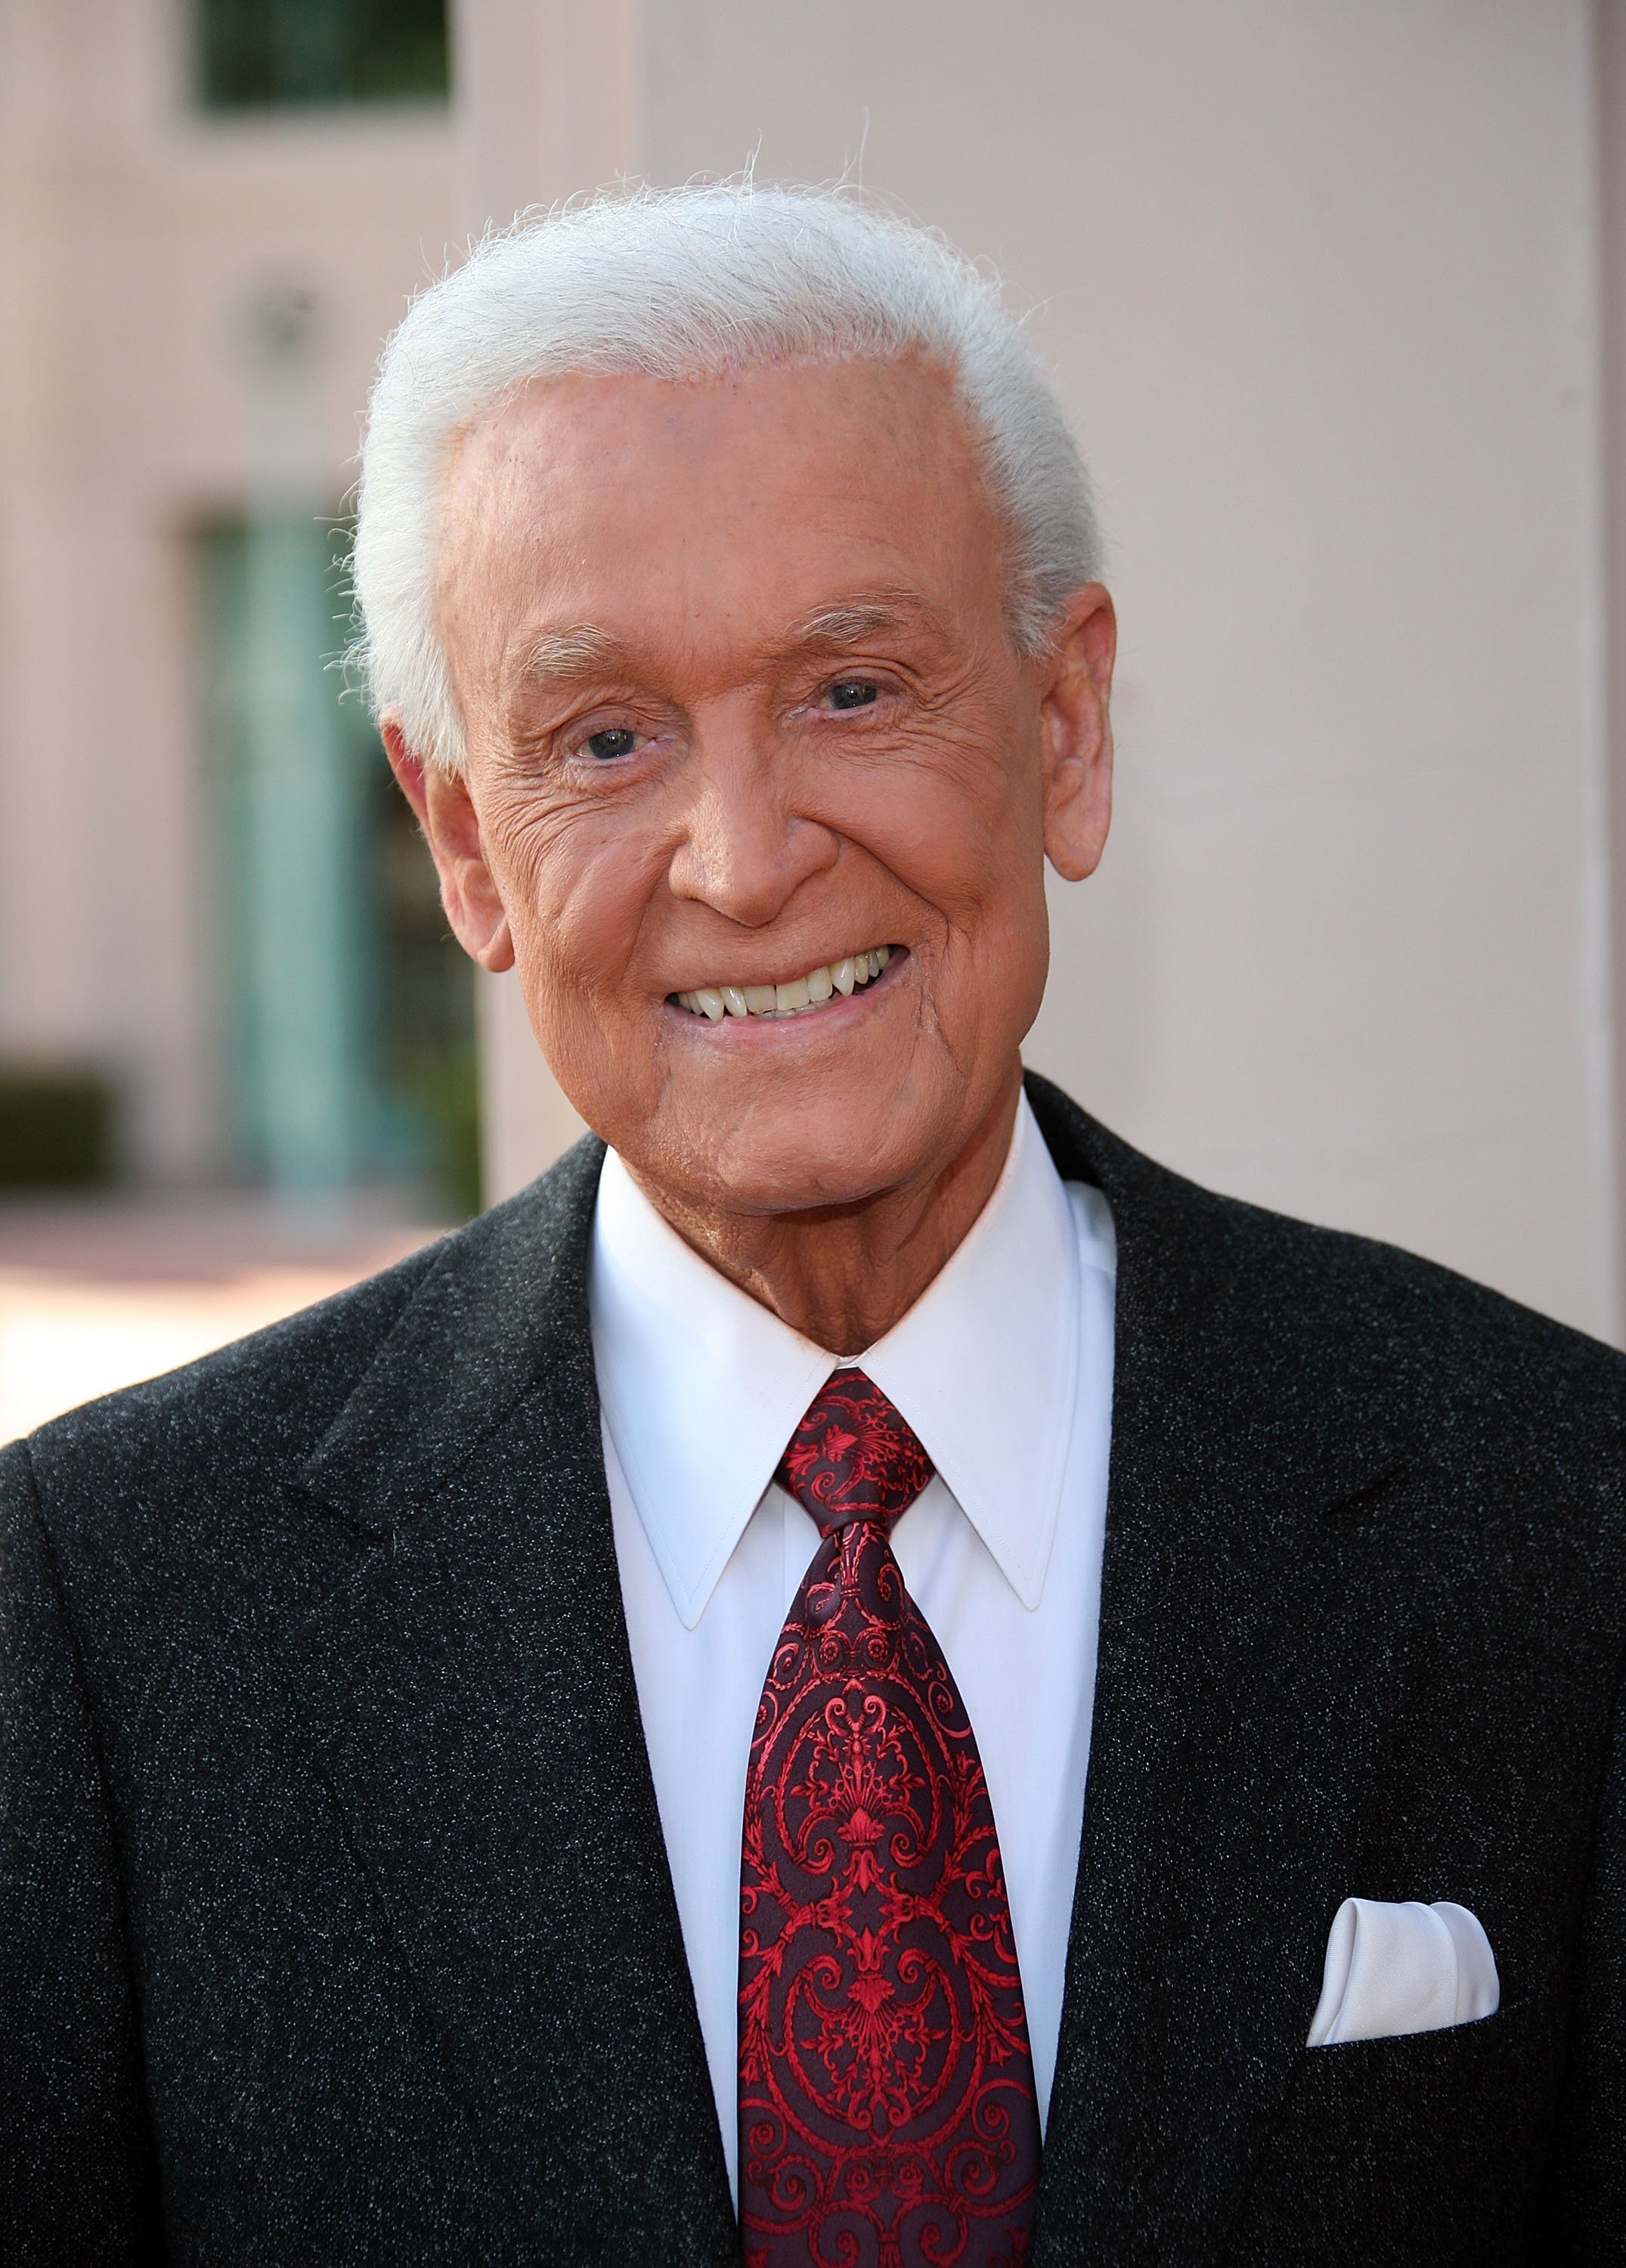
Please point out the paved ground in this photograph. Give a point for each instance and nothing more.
(96, 1294)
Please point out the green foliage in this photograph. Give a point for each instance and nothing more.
(56, 1129)
(448, 1099)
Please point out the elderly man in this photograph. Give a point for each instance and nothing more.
(655, 1731)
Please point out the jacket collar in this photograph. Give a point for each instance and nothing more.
(476, 1671)
(507, 1300)
(504, 1304)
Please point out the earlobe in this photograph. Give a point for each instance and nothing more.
(1078, 810)
(1076, 722)
(445, 812)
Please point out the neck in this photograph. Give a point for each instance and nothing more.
(843, 1275)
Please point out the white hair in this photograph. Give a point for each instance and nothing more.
(688, 283)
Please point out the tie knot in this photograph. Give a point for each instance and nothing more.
(853, 1456)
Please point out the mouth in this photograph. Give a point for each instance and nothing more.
(833, 981)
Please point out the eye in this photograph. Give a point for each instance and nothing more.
(614, 740)
(854, 693)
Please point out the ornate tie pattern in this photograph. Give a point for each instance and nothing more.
(887, 2115)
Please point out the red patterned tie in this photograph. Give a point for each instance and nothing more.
(887, 2116)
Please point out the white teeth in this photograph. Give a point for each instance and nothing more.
(799, 998)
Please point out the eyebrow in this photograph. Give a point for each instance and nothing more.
(581, 650)
(849, 622)
(584, 653)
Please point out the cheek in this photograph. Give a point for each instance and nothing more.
(576, 883)
(978, 860)
(960, 832)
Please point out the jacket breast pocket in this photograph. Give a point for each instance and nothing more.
(1428, 2147)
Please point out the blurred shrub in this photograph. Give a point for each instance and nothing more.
(55, 1129)
(448, 1099)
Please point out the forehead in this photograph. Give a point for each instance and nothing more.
(730, 505)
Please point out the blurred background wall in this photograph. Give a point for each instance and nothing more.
(1326, 285)
(210, 213)
(1333, 291)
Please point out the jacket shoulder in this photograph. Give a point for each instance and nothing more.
(1417, 1323)
(281, 1384)
(1361, 1332)
(183, 1505)
(275, 1393)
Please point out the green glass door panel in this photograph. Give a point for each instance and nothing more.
(347, 1009)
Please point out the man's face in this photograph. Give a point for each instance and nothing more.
(742, 708)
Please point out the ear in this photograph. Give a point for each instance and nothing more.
(1076, 725)
(451, 828)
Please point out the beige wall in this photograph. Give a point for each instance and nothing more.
(1318, 279)
(1611, 127)
(132, 233)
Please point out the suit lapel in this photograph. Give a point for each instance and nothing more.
(470, 1700)
(1248, 1670)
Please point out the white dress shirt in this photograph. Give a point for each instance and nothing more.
(1003, 1368)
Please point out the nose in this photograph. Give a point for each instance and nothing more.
(745, 849)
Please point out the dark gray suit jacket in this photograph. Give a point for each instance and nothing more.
(335, 1924)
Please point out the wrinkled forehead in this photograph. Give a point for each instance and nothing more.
(732, 505)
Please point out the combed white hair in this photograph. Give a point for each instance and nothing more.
(687, 284)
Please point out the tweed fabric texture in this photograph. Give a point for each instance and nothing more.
(335, 1919)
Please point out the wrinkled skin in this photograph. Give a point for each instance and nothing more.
(740, 699)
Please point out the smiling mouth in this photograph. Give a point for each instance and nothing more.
(803, 996)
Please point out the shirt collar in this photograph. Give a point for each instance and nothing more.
(702, 1387)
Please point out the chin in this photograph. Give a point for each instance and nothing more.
(791, 1161)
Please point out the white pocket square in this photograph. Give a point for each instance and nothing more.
(1394, 1969)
